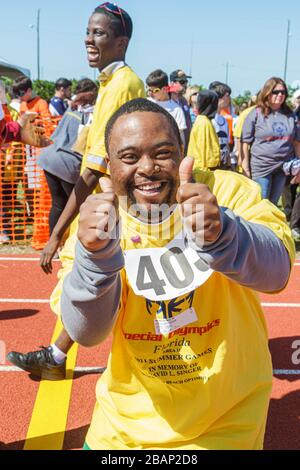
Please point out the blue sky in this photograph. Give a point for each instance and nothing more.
(250, 35)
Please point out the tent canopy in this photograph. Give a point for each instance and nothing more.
(12, 71)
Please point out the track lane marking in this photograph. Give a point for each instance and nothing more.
(94, 370)
(49, 417)
(24, 301)
(100, 370)
(46, 301)
(280, 304)
(8, 258)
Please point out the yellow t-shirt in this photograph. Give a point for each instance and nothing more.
(122, 86)
(204, 144)
(206, 384)
(237, 132)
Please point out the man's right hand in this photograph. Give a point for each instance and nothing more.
(48, 254)
(98, 217)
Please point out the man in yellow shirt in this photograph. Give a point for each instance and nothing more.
(176, 282)
(108, 35)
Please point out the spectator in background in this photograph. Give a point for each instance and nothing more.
(222, 130)
(61, 100)
(30, 103)
(296, 103)
(158, 92)
(272, 132)
(191, 97)
(237, 131)
(61, 164)
(204, 144)
(291, 199)
(290, 190)
(180, 80)
(19, 131)
(224, 106)
(22, 88)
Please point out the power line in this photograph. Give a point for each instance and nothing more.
(288, 35)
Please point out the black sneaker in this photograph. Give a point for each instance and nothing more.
(39, 363)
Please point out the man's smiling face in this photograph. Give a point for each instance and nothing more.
(102, 46)
(144, 157)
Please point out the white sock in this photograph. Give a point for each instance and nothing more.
(57, 354)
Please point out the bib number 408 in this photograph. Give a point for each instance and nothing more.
(176, 268)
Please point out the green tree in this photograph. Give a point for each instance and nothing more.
(241, 99)
(44, 89)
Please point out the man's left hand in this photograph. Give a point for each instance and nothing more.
(199, 207)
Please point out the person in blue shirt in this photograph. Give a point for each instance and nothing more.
(59, 102)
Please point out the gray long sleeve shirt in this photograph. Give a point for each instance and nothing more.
(247, 253)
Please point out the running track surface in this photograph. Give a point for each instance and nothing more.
(55, 415)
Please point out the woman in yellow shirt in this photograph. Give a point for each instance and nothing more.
(204, 144)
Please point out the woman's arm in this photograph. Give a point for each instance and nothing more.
(245, 154)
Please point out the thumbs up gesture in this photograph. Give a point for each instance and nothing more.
(199, 207)
(98, 217)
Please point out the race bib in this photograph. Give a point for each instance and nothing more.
(167, 272)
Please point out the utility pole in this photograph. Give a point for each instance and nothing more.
(227, 72)
(288, 35)
(227, 65)
(38, 43)
(191, 58)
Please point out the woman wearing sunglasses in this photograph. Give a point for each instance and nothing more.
(271, 131)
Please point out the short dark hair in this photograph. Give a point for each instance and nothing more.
(139, 105)
(157, 78)
(220, 88)
(62, 82)
(116, 21)
(21, 83)
(85, 85)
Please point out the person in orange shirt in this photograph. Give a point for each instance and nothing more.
(22, 87)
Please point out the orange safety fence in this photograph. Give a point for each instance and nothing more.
(25, 200)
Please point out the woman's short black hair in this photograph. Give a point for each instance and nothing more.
(139, 105)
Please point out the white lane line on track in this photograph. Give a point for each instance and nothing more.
(100, 370)
(7, 258)
(10, 258)
(280, 304)
(25, 301)
(46, 301)
(94, 370)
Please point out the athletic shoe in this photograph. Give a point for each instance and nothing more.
(39, 363)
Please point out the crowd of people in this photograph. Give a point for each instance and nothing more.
(195, 184)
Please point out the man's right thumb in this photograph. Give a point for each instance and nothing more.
(106, 184)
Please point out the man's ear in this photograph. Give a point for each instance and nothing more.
(123, 43)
